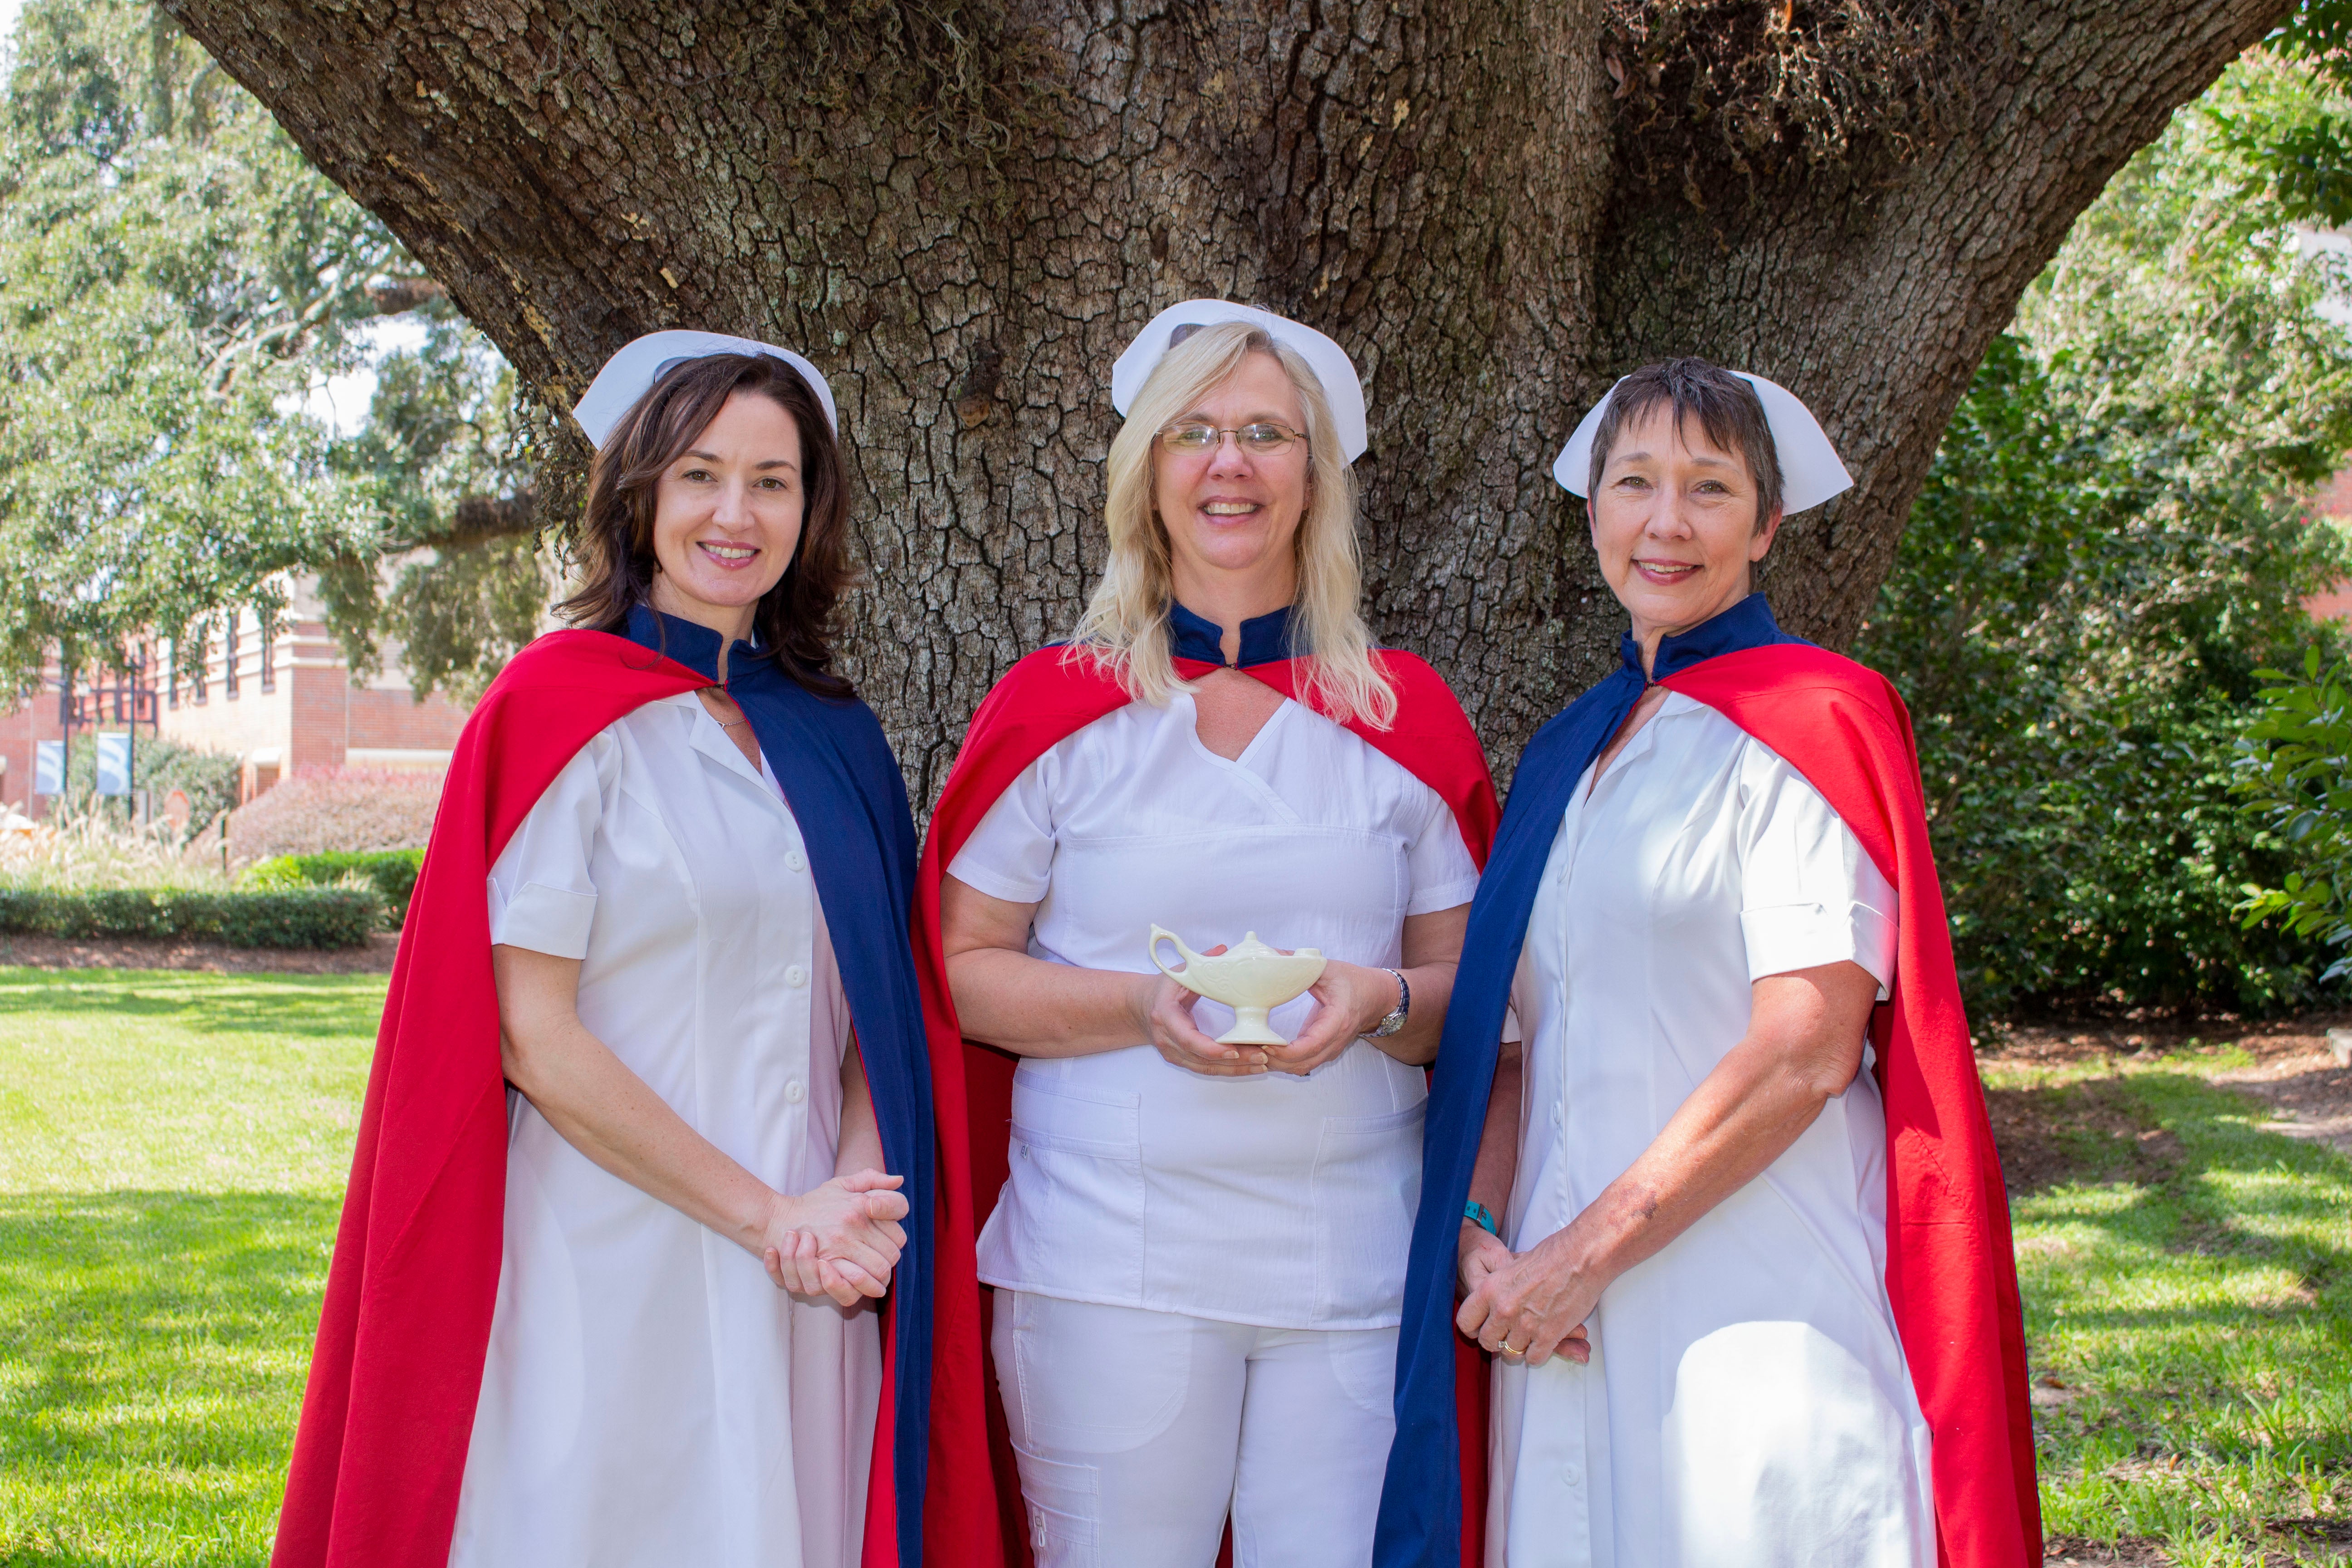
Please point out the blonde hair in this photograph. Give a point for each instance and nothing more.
(1125, 627)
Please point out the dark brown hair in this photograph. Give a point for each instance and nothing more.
(793, 621)
(1726, 406)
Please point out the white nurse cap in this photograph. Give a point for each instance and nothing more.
(631, 373)
(1328, 360)
(1810, 470)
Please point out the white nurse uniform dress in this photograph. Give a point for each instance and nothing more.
(650, 1397)
(1748, 1404)
(1201, 1278)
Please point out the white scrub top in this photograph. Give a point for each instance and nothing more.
(1748, 1403)
(650, 1397)
(1274, 1200)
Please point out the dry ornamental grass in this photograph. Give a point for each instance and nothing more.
(96, 851)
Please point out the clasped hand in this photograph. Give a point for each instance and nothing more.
(1348, 1000)
(840, 1241)
(1524, 1306)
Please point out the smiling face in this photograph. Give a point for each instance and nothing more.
(727, 515)
(1229, 513)
(1675, 525)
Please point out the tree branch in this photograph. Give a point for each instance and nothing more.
(478, 520)
(1439, 184)
(395, 296)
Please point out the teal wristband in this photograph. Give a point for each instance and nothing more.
(1482, 1217)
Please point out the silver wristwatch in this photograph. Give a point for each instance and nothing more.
(1395, 1020)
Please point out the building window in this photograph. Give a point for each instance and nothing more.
(265, 634)
(199, 677)
(228, 656)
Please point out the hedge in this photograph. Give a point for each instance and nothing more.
(392, 872)
(310, 917)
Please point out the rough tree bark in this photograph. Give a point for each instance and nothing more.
(963, 208)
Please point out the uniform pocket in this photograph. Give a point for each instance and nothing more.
(1367, 1184)
(1075, 1119)
(1078, 1174)
(1063, 1502)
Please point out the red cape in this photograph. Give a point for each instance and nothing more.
(1952, 1268)
(397, 1369)
(1041, 701)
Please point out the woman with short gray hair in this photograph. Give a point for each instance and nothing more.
(1724, 1205)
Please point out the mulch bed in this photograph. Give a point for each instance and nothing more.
(134, 953)
(2058, 1133)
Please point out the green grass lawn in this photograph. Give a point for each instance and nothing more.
(173, 1150)
(2188, 1310)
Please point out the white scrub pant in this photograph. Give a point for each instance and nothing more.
(1136, 1433)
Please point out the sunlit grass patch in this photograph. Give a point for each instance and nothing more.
(180, 1081)
(2190, 1324)
(172, 1149)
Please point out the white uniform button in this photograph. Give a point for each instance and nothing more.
(795, 860)
(794, 1091)
(795, 977)
(1572, 1473)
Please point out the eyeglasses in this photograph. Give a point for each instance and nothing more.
(1264, 438)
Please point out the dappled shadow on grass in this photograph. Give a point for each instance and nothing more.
(152, 1346)
(2062, 1134)
(306, 1006)
(2188, 1308)
(2161, 1158)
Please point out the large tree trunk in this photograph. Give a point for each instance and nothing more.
(963, 208)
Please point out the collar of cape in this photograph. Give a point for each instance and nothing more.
(397, 1369)
(1265, 639)
(1041, 700)
(1951, 1277)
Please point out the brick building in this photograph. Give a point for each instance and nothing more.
(2335, 501)
(278, 698)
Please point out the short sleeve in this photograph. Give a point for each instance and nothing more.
(1437, 863)
(1808, 895)
(542, 896)
(1010, 854)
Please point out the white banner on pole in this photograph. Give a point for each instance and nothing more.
(48, 767)
(113, 764)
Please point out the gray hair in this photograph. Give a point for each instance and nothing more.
(1726, 406)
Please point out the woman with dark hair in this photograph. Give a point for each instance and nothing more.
(1721, 1198)
(624, 1312)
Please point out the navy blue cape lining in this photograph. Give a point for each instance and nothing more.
(1265, 639)
(1421, 1499)
(844, 788)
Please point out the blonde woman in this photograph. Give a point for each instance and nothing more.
(1197, 1250)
